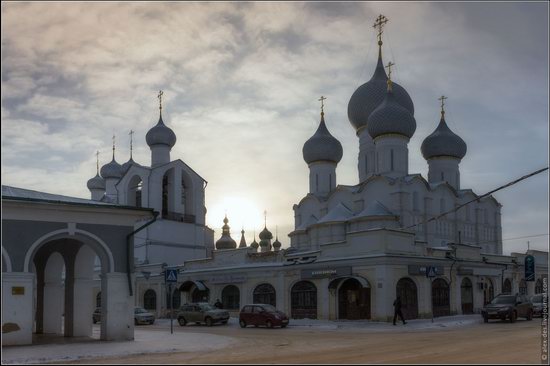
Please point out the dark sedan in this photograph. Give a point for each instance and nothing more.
(508, 307)
(262, 314)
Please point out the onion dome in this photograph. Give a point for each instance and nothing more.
(390, 117)
(111, 170)
(96, 183)
(277, 244)
(128, 164)
(226, 242)
(266, 234)
(242, 244)
(160, 135)
(371, 94)
(254, 244)
(443, 142)
(322, 146)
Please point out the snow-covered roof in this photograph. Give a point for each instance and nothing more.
(375, 208)
(340, 213)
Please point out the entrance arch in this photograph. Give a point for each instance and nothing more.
(467, 296)
(264, 294)
(407, 291)
(507, 286)
(150, 300)
(440, 298)
(303, 300)
(353, 300)
(231, 297)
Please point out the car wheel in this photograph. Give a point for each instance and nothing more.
(269, 324)
(242, 323)
(208, 322)
(182, 321)
(530, 315)
(513, 317)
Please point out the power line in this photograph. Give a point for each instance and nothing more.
(517, 238)
(478, 198)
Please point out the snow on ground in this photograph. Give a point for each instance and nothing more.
(145, 342)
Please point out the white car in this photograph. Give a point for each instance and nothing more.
(142, 316)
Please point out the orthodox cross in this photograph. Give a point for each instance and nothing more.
(131, 137)
(160, 100)
(442, 99)
(322, 99)
(97, 161)
(380, 22)
(388, 66)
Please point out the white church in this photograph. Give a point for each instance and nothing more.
(354, 247)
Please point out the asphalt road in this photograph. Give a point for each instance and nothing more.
(496, 342)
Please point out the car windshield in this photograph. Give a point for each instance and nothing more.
(207, 307)
(140, 310)
(504, 300)
(536, 298)
(269, 308)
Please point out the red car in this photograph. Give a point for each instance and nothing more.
(262, 314)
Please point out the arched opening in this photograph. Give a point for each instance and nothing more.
(134, 192)
(264, 294)
(488, 291)
(53, 296)
(98, 300)
(231, 297)
(507, 286)
(467, 296)
(353, 300)
(200, 295)
(538, 287)
(168, 195)
(173, 300)
(522, 287)
(187, 198)
(440, 298)
(303, 300)
(406, 290)
(150, 300)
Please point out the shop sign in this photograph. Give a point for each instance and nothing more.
(18, 290)
(227, 279)
(422, 270)
(326, 272)
(463, 271)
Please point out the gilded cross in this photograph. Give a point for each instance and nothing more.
(322, 99)
(380, 22)
(388, 66)
(160, 99)
(442, 99)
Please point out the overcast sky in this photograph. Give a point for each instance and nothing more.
(241, 83)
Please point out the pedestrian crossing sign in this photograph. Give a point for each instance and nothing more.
(171, 275)
(430, 272)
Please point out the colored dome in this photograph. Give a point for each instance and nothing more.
(111, 170)
(266, 234)
(96, 183)
(322, 146)
(443, 142)
(390, 117)
(160, 135)
(371, 94)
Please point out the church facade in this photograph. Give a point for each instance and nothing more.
(355, 248)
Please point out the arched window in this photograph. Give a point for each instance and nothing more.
(264, 294)
(507, 286)
(231, 297)
(407, 292)
(523, 287)
(134, 191)
(440, 298)
(488, 292)
(98, 300)
(303, 300)
(150, 300)
(538, 286)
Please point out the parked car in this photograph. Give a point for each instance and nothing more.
(201, 312)
(508, 306)
(536, 300)
(262, 314)
(96, 316)
(142, 316)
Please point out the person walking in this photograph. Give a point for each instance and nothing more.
(397, 311)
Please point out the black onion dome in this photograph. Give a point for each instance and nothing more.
(111, 170)
(266, 234)
(160, 135)
(390, 117)
(128, 164)
(369, 96)
(322, 146)
(96, 183)
(226, 241)
(443, 142)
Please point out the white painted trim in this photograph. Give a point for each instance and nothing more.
(7, 259)
(43, 238)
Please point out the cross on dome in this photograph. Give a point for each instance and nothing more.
(380, 22)
(322, 99)
(442, 99)
(388, 66)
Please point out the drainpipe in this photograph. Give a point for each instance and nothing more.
(128, 243)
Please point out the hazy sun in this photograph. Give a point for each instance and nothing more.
(241, 212)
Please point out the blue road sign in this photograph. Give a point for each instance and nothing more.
(171, 275)
(529, 268)
(430, 272)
